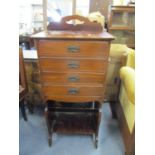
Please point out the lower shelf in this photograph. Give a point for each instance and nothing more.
(76, 123)
(71, 118)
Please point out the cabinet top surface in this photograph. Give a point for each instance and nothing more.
(73, 35)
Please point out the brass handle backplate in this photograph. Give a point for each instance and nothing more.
(73, 78)
(73, 91)
(73, 49)
(73, 64)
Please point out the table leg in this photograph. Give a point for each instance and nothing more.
(22, 106)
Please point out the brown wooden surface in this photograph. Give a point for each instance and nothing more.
(22, 84)
(81, 90)
(81, 56)
(80, 65)
(22, 76)
(90, 58)
(75, 99)
(121, 28)
(70, 123)
(120, 8)
(74, 35)
(73, 77)
(86, 24)
(92, 49)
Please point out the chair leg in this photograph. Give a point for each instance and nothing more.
(30, 107)
(22, 106)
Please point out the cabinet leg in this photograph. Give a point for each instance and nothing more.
(50, 141)
(98, 120)
(49, 132)
(95, 140)
(50, 127)
(49, 135)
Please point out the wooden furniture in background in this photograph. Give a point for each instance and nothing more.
(73, 67)
(22, 84)
(121, 23)
(33, 97)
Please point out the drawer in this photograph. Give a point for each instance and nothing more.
(72, 77)
(80, 65)
(73, 98)
(93, 49)
(73, 90)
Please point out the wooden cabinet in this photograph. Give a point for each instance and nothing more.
(73, 66)
(80, 61)
(121, 23)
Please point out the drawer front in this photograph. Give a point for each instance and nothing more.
(71, 98)
(80, 65)
(93, 49)
(73, 90)
(73, 77)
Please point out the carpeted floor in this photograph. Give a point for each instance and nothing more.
(33, 138)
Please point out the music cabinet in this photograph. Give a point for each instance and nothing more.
(73, 63)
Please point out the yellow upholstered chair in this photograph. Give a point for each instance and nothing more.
(126, 106)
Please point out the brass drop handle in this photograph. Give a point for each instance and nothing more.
(73, 65)
(73, 78)
(73, 49)
(73, 91)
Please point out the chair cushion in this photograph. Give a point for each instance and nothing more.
(127, 75)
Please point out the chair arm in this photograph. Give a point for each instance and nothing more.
(127, 75)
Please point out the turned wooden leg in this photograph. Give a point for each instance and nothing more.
(49, 132)
(48, 127)
(22, 107)
(95, 136)
(98, 120)
(30, 107)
